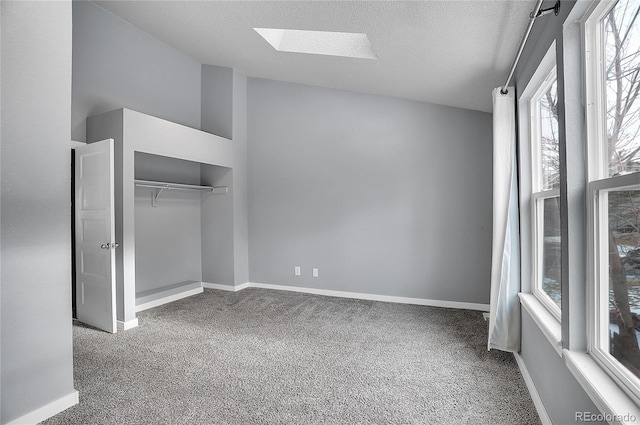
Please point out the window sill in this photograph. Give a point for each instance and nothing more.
(612, 401)
(548, 324)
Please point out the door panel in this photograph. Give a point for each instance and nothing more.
(95, 236)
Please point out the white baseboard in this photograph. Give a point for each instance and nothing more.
(535, 396)
(125, 326)
(221, 287)
(356, 295)
(374, 297)
(164, 299)
(48, 410)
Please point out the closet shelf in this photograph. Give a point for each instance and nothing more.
(158, 187)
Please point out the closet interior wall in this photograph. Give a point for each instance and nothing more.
(186, 234)
(168, 237)
(218, 255)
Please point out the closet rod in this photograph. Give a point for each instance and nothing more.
(159, 187)
(179, 186)
(536, 13)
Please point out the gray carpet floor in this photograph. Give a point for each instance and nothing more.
(273, 357)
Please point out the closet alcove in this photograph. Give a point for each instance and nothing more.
(173, 188)
(172, 198)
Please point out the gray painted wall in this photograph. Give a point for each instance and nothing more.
(1, 125)
(560, 392)
(225, 219)
(385, 196)
(116, 65)
(217, 211)
(240, 180)
(168, 246)
(36, 249)
(156, 79)
(217, 100)
(217, 227)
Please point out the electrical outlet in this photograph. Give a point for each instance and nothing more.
(315, 272)
(297, 270)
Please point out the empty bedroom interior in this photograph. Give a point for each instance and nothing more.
(343, 263)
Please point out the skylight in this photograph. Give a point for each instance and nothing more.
(346, 44)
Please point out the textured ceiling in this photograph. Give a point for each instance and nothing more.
(447, 52)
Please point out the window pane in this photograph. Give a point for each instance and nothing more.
(622, 78)
(549, 156)
(551, 250)
(624, 278)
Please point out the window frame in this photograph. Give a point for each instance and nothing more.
(538, 193)
(599, 185)
(537, 220)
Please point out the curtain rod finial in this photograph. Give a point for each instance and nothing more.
(555, 9)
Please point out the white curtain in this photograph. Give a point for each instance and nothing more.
(504, 318)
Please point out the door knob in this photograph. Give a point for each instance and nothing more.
(115, 245)
(104, 246)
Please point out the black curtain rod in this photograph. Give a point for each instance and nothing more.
(535, 13)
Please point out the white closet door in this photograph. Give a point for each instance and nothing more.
(95, 236)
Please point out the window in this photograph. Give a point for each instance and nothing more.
(612, 39)
(545, 197)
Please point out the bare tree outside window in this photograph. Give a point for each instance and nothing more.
(549, 163)
(551, 259)
(622, 53)
(549, 140)
(622, 88)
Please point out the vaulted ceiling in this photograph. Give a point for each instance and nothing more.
(447, 52)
